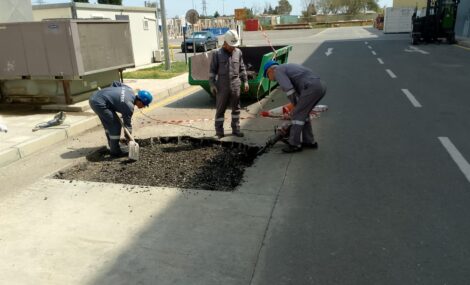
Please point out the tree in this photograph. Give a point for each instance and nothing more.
(249, 13)
(284, 7)
(271, 11)
(81, 1)
(111, 2)
(330, 6)
(216, 14)
(373, 5)
(309, 8)
(350, 7)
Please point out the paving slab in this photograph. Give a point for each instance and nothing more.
(74, 232)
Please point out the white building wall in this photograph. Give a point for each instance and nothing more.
(144, 40)
(15, 11)
(52, 13)
(398, 20)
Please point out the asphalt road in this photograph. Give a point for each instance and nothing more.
(382, 201)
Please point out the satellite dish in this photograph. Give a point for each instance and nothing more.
(192, 16)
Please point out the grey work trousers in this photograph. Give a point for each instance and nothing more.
(111, 124)
(301, 129)
(227, 94)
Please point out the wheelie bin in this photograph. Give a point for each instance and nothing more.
(254, 58)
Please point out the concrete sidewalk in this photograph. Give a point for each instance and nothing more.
(465, 42)
(20, 141)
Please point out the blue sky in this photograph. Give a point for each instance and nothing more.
(179, 7)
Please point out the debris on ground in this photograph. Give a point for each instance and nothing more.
(58, 119)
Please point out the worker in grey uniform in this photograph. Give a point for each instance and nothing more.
(226, 70)
(118, 98)
(304, 90)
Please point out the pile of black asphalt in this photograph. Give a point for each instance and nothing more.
(181, 162)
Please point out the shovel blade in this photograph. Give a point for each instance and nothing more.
(133, 150)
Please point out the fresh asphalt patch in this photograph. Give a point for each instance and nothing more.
(182, 162)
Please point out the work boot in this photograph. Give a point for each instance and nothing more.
(119, 154)
(310, 145)
(220, 135)
(238, 134)
(291, 148)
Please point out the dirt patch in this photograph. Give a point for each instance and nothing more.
(182, 162)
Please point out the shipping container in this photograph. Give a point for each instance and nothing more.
(398, 20)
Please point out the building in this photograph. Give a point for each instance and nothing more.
(142, 20)
(15, 11)
(462, 26)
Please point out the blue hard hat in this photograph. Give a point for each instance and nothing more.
(268, 65)
(145, 97)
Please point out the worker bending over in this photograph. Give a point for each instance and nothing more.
(304, 90)
(118, 98)
(226, 70)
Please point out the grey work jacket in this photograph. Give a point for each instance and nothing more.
(227, 69)
(294, 78)
(118, 99)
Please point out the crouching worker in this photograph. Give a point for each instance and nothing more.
(304, 90)
(118, 98)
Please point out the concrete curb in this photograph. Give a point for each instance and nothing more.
(465, 42)
(28, 148)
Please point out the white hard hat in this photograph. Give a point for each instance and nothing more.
(231, 38)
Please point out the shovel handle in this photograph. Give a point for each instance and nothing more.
(126, 131)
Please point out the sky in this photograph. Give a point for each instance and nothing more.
(179, 7)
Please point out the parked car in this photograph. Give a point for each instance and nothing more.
(204, 41)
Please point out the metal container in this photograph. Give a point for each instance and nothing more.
(42, 61)
(63, 49)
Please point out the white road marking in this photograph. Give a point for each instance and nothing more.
(380, 60)
(392, 75)
(329, 52)
(462, 163)
(369, 47)
(416, 49)
(411, 98)
(373, 52)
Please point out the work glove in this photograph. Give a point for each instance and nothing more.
(246, 87)
(124, 141)
(213, 90)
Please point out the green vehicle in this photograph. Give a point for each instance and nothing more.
(254, 59)
(435, 23)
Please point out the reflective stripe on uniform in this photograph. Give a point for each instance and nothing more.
(219, 119)
(290, 92)
(114, 137)
(296, 122)
(235, 116)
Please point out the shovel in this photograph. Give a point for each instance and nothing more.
(133, 145)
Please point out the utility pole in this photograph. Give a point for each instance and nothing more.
(165, 36)
(204, 7)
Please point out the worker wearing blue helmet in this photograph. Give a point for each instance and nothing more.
(117, 98)
(304, 90)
